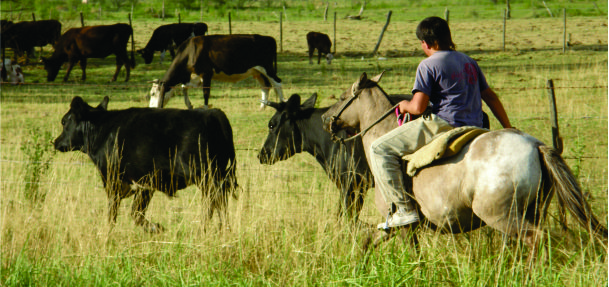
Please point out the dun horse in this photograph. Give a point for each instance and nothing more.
(504, 179)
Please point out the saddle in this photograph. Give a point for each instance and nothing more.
(445, 145)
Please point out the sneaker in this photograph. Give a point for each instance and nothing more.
(400, 218)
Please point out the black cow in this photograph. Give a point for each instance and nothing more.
(295, 128)
(140, 150)
(78, 44)
(167, 36)
(22, 37)
(227, 58)
(322, 43)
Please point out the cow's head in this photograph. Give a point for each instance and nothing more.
(147, 54)
(52, 66)
(329, 58)
(76, 124)
(285, 138)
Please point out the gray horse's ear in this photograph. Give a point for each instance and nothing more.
(104, 103)
(378, 77)
(310, 102)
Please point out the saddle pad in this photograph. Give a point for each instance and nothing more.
(445, 145)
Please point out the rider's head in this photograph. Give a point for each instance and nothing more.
(435, 30)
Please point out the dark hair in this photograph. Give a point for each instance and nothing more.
(435, 30)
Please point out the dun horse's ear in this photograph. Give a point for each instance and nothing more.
(310, 102)
(378, 77)
(104, 103)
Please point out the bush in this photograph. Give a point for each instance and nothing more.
(38, 153)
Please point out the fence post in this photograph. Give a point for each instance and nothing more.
(179, 18)
(326, 11)
(507, 7)
(132, 60)
(382, 32)
(334, 52)
(504, 24)
(556, 139)
(201, 17)
(564, 30)
(230, 29)
(33, 17)
(280, 31)
(446, 14)
(82, 20)
(163, 11)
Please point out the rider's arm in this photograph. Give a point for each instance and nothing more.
(416, 106)
(493, 102)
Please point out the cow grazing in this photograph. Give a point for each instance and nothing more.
(22, 37)
(226, 58)
(78, 44)
(295, 128)
(322, 43)
(140, 150)
(195, 82)
(167, 36)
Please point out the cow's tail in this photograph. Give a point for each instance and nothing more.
(569, 191)
(132, 60)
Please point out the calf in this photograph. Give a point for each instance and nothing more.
(12, 73)
(295, 128)
(22, 37)
(167, 36)
(79, 44)
(322, 43)
(227, 58)
(140, 150)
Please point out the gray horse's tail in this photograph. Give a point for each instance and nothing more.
(569, 191)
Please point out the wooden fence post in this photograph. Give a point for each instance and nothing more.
(280, 31)
(163, 11)
(82, 20)
(179, 18)
(504, 24)
(230, 29)
(201, 17)
(33, 17)
(507, 7)
(334, 52)
(446, 14)
(326, 11)
(382, 32)
(564, 30)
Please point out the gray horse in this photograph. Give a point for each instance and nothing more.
(504, 178)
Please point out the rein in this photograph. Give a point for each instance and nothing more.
(354, 95)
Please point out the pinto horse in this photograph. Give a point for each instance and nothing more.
(504, 179)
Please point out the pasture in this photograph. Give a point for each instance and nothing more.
(283, 227)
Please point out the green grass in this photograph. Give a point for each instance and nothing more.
(283, 227)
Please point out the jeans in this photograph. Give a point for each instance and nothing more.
(386, 155)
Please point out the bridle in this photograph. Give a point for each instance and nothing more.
(354, 95)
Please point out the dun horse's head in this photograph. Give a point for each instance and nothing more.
(346, 113)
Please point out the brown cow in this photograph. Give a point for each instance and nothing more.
(78, 44)
(322, 43)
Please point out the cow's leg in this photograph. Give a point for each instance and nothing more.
(311, 50)
(186, 99)
(266, 88)
(138, 210)
(71, 63)
(120, 60)
(83, 67)
(206, 87)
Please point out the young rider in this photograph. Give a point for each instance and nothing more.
(456, 87)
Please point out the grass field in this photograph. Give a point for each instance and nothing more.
(283, 226)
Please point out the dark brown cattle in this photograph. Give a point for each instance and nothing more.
(78, 44)
(22, 37)
(322, 43)
(167, 36)
(227, 58)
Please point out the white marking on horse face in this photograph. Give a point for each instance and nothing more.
(329, 58)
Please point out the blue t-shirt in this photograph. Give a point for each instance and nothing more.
(453, 81)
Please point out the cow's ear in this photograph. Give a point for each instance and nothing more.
(310, 102)
(79, 107)
(378, 77)
(361, 81)
(293, 104)
(104, 104)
